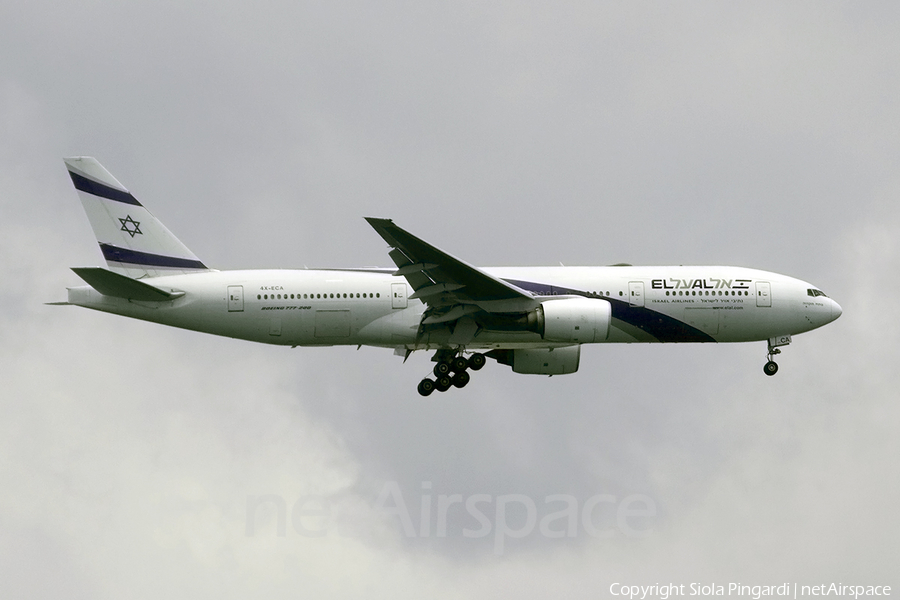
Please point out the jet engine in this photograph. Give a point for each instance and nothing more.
(574, 320)
(540, 361)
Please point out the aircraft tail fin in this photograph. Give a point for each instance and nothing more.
(133, 241)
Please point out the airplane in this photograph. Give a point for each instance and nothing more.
(533, 319)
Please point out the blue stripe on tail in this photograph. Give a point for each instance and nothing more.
(101, 190)
(134, 257)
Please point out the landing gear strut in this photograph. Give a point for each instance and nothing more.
(771, 367)
(450, 370)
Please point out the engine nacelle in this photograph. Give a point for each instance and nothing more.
(575, 320)
(546, 361)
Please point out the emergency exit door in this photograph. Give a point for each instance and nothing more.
(398, 295)
(763, 293)
(636, 293)
(235, 298)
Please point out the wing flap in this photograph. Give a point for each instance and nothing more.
(458, 311)
(414, 268)
(433, 290)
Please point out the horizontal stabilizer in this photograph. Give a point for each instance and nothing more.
(113, 284)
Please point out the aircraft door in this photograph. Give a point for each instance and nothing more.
(235, 298)
(636, 293)
(398, 295)
(763, 293)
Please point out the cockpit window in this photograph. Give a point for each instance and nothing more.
(814, 292)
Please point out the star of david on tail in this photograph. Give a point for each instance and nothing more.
(136, 226)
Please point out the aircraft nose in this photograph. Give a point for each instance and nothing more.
(835, 310)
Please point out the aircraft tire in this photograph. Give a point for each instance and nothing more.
(770, 368)
(476, 361)
(441, 368)
(426, 386)
(461, 379)
(443, 383)
(459, 364)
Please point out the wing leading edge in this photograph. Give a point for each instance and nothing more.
(451, 287)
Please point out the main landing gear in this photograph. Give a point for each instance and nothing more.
(451, 370)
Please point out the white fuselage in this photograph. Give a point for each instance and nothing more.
(371, 306)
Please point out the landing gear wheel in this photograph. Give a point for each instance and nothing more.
(476, 361)
(770, 368)
(441, 368)
(461, 379)
(426, 386)
(443, 383)
(459, 364)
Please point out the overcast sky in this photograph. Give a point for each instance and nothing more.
(764, 135)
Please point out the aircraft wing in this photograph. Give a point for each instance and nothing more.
(451, 287)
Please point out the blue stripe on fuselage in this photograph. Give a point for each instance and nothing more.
(134, 257)
(101, 190)
(662, 327)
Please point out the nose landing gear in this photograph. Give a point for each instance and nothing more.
(771, 367)
(451, 370)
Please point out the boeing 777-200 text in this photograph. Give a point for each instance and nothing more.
(533, 319)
